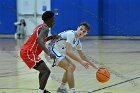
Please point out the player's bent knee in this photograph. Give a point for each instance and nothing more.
(72, 68)
(46, 71)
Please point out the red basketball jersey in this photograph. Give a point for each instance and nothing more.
(32, 42)
(31, 49)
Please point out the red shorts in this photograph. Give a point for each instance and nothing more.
(29, 57)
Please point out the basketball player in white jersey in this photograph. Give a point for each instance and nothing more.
(63, 47)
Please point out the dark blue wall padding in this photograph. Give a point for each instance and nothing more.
(7, 16)
(106, 17)
(121, 17)
(72, 12)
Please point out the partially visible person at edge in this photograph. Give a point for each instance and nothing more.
(33, 47)
(68, 40)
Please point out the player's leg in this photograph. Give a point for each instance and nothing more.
(44, 73)
(68, 76)
(69, 68)
(34, 61)
(64, 79)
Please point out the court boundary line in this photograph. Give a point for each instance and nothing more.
(85, 91)
(91, 91)
(114, 84)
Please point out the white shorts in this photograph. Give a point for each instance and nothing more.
(58, 55)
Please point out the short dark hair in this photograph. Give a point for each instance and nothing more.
(86, 25)
(47, 15)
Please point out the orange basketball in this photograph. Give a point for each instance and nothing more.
(102, 75)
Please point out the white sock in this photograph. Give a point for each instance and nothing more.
(63, 85)
(40, 91)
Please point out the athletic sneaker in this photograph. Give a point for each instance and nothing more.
(45, 91)
(74, 91)
(62, 90)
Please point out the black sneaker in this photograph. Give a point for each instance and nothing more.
(45, 91)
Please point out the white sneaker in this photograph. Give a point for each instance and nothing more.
(62, 90)
(74, 91)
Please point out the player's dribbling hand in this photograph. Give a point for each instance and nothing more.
(85, 64)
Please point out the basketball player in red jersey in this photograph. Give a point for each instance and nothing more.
(34, 46)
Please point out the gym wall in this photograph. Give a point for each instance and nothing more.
(7, 16)
(106, 17)
(120, 17)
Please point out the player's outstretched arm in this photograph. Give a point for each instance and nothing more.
(43, 33)
(83, 57)
(74, 57)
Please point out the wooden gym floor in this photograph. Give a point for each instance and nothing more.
(120, 56)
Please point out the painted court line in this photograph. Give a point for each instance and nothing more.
(115, 84)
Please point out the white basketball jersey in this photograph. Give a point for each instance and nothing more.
(66, 36)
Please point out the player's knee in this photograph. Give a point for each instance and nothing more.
(72, 68)
(47, 73)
